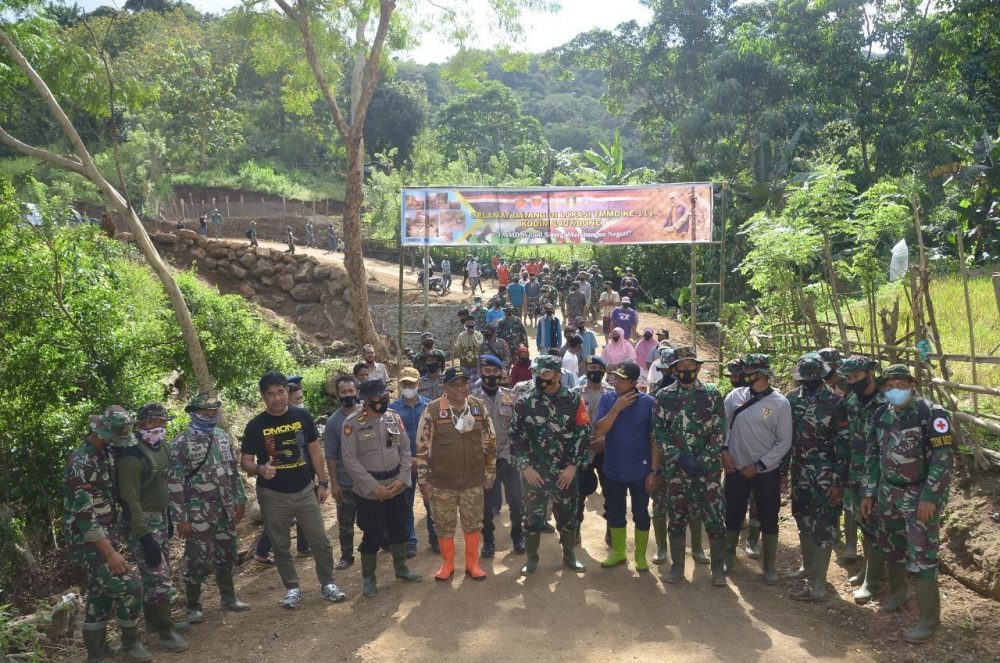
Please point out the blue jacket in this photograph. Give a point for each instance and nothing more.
(549, 334)
(410, 414)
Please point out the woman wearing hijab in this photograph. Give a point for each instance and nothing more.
(618, 349)
(643, 349)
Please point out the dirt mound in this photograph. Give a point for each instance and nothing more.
(970, 548)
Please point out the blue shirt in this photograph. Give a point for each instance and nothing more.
(627, 455)
(515, 291)
(331, 445)
(495, 315)
(410, 414)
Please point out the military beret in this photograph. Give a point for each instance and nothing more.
(895, 371)
(203, 401)
(685, 352)
(810, 366)
(152, 411)
(371, 389)
(594, 359)
(491, 360)
(546, 363)
(856, 363)
(757, 363)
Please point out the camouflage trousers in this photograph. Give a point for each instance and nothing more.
(157, 581)
(108, 592)
(212, 545)
(448, 506)
(691, 499)
(659, 499)
(852, 505)
(902, 536)
(564, 503)
(812, 510)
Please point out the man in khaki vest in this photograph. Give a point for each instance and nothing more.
(456, 460)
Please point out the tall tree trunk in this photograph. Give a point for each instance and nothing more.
(354, 261)
(85, 166)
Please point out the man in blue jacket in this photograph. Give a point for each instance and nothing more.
(410, 407)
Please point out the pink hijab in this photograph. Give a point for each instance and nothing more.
(616, 353)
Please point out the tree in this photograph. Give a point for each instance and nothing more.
(397, 115)
(83, 164)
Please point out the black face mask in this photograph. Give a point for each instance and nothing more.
(687, 377)
(491, 381)
(433, 368)
(349, 401)
(541, 383)
(860, 386)
(379, 406)
(615, 338)
(648, 335)
(595, 376)
(627, 305)
(812, 385)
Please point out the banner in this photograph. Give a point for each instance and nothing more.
(475, 216)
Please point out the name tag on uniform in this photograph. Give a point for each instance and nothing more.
(941, 441)
(367, 433)
(768, 412)
(506, 399)
(475, 411)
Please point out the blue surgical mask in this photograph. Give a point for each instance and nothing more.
(898, 396)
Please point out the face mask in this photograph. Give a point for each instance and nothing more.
(898, 396)
(152, 436)
(616, 338)
(648, 335)
(203, 424)
(465, 422)
(812, 385)
(349, 401)
(491, 381)
(627, 305)
(433, 368)
(687, 377)
(379, 406)
(409, 393)
(541, 383)
(860, 386)
(595, 376)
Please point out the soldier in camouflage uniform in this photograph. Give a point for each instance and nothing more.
(512, 330)
(427, 354)
(833, 359)
(596, 287)
(688, 427)
(550, 443)
(466, 349)
(478, 313)
(207, 500)
(575, 302)
(863, 399)
(562, 282)
(142, 471)
(91, 521)
(907, 479)
(820, 444)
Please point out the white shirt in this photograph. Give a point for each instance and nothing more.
(473, 269)
(570, 363)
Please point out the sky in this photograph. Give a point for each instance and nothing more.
(542, 30)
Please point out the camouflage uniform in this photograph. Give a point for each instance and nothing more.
(512, 330)
(562, 283)
(859, 426)
(596, 288)
(479, 315)
(207, 499)
(421, 358)
(576, 304)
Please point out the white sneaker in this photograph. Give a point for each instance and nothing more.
(292, 599)
(332, 593)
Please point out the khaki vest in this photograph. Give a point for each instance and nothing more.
(457, 459)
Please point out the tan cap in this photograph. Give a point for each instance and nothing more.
(409, 374)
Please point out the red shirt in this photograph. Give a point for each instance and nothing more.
(520, 372)
(533, 268)
(503, 274)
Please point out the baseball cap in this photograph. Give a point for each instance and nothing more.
(453, 374)
(626, 300)
(628, 370)
(409, 374)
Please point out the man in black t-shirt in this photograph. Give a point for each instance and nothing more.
(279, 447)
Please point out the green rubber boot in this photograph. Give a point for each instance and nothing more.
(149, 619)
(403, 572)
(95, 639)
(369, 587)
(617, 555)
(769, 554)
(817, 576)
(697, 552)
(193, 593)
(929, 602)
(531, 540)
(850, 552)
(677, 559)
(660, 534)
(227, 591)
(897, 588)
(858, 578)
(168, 638)
(568, 541)
(753, 541)
(808, 547)
(132, 645)
(718, 549)
(731, 541)
(641, 544)
(874, 575)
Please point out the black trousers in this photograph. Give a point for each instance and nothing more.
(590, 478)
(766, 487)
(374, 517)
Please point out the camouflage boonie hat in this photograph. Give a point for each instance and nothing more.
(114, 426)
(735, 367)
(856, 363)
(757, 363)
(152, 411)
(684, 352)
(203, 401)
(895, 371)
(546, 363)
(810, 367)
(667, 356)
(830, 355)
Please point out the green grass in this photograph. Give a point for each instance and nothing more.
(949, 308)
(275, 180)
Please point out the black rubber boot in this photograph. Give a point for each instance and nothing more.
(568, 541)
(808, 548)
(718, 550)
(929, 602)
(660, 536)
(227, 591)
(677, 560)
(769, 555)
(731, 541)
(697, 552)
(95, 639)
(898, 588)
(168, 638)
(132, 645)
(194, 613)
(531, 540)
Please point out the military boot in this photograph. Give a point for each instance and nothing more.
(769, 554)
(641, 544)
(753, 541)
(95, 639)
(227, 591)
(850, 552)
(160, 615)
(531, 540)
(732, 540)
(717, 547)
(193, 593)
(898, 588)
(617, 555)
(568, 542)
(132, 645)
(874, 570)
(808, 548)
(697, 552)
(403, 572)
(369, 587)
(677, 559)
(818, 570)
(929, 602)
(660, 534)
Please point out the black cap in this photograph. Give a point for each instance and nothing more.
(454, 373)
(371, 389)
(628, 370)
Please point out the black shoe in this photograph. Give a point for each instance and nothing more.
(435, 548)
(518, 544)
(306, 553)
(489, 550)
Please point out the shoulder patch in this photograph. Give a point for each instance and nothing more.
(348, 429)
(940, 426)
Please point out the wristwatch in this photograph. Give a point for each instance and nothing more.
(325, 483)
(760, 466)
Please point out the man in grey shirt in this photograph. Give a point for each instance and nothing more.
(759, 422)
(341, 486)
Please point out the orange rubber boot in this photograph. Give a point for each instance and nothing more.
(472, 556)
(447, 560)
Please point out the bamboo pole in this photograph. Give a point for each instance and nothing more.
(968, 311)
(974, 388)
